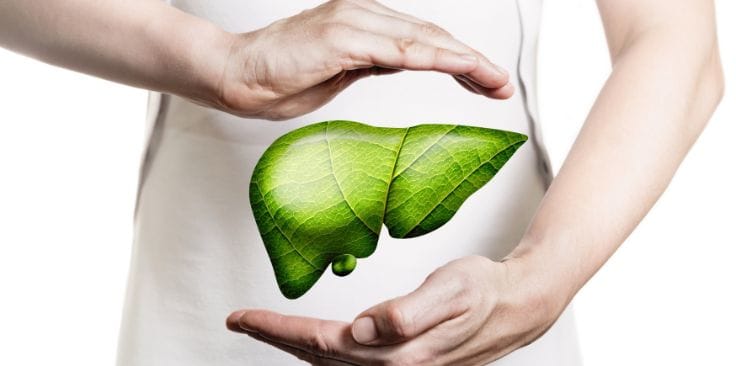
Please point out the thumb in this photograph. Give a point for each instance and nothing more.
(408, 316)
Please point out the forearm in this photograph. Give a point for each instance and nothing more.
(658, 98)
(143, 43)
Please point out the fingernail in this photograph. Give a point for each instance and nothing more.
(233, 320)
(364, 330)
(241, 321)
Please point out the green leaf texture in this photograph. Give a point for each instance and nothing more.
(323, 191)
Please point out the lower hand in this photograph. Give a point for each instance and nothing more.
(469, 312)
(298, 64)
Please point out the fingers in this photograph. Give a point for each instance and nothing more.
(300, 354)
(406, 317)
(322, 338)
(324, 342)
(366, 49)
(382, 20)
(233, 324)
(488, 74)
(467, 85)
(379, 8)
(504, 92)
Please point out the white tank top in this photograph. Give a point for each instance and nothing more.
(198, 255)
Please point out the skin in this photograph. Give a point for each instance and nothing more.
(472, 310)
(284, 70)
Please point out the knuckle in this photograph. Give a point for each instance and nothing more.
(316, 343)
(469, 298)
(397, 321)
(405, 44)
(466, 291)
(463, 280)
(437, 54)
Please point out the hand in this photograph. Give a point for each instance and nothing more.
(469, 312)
(298, 64)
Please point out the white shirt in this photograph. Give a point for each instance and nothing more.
(198, 255)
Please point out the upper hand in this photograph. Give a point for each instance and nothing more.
(469, 312)
(298, 64)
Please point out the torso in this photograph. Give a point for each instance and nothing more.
(198, 254)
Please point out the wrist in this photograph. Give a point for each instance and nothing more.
(190, 55)
(540, 278)
(208, 55)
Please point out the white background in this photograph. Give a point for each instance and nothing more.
(69, 152)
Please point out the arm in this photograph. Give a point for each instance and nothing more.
(284, 70)
(143, 43)
(665, 83)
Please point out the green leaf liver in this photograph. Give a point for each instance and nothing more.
(320, 193)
